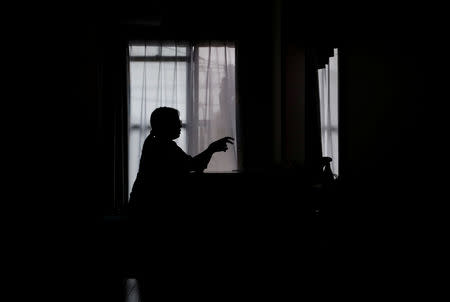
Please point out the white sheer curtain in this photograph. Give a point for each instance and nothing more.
(328, 93)
(215, 103)
(196, 79)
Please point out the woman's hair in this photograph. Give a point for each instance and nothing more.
(162, 119)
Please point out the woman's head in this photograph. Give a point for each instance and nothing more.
(165, 123)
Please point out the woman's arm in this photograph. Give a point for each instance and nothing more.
(200, 162)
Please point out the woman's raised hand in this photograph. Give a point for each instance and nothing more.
(221, 144)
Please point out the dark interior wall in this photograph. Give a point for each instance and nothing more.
(294, 104)
(388, 93)
(381, 94)
(257, 95)
(391, 120)
(382, 90)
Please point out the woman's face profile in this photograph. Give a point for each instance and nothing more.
(175, 128)
(166, 123)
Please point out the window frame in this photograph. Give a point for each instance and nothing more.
(191, 58)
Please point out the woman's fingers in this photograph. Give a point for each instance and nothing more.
(228, 139)
(221, 144)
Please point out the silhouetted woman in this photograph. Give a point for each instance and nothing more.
(162, 161)
(156, 215)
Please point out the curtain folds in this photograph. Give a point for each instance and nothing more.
(328, 94)
(316, 58)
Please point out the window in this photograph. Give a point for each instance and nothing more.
(328, 93)
(196, 79)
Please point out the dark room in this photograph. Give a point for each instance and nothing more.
(228, 150)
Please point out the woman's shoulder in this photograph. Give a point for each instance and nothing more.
(154, 144)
